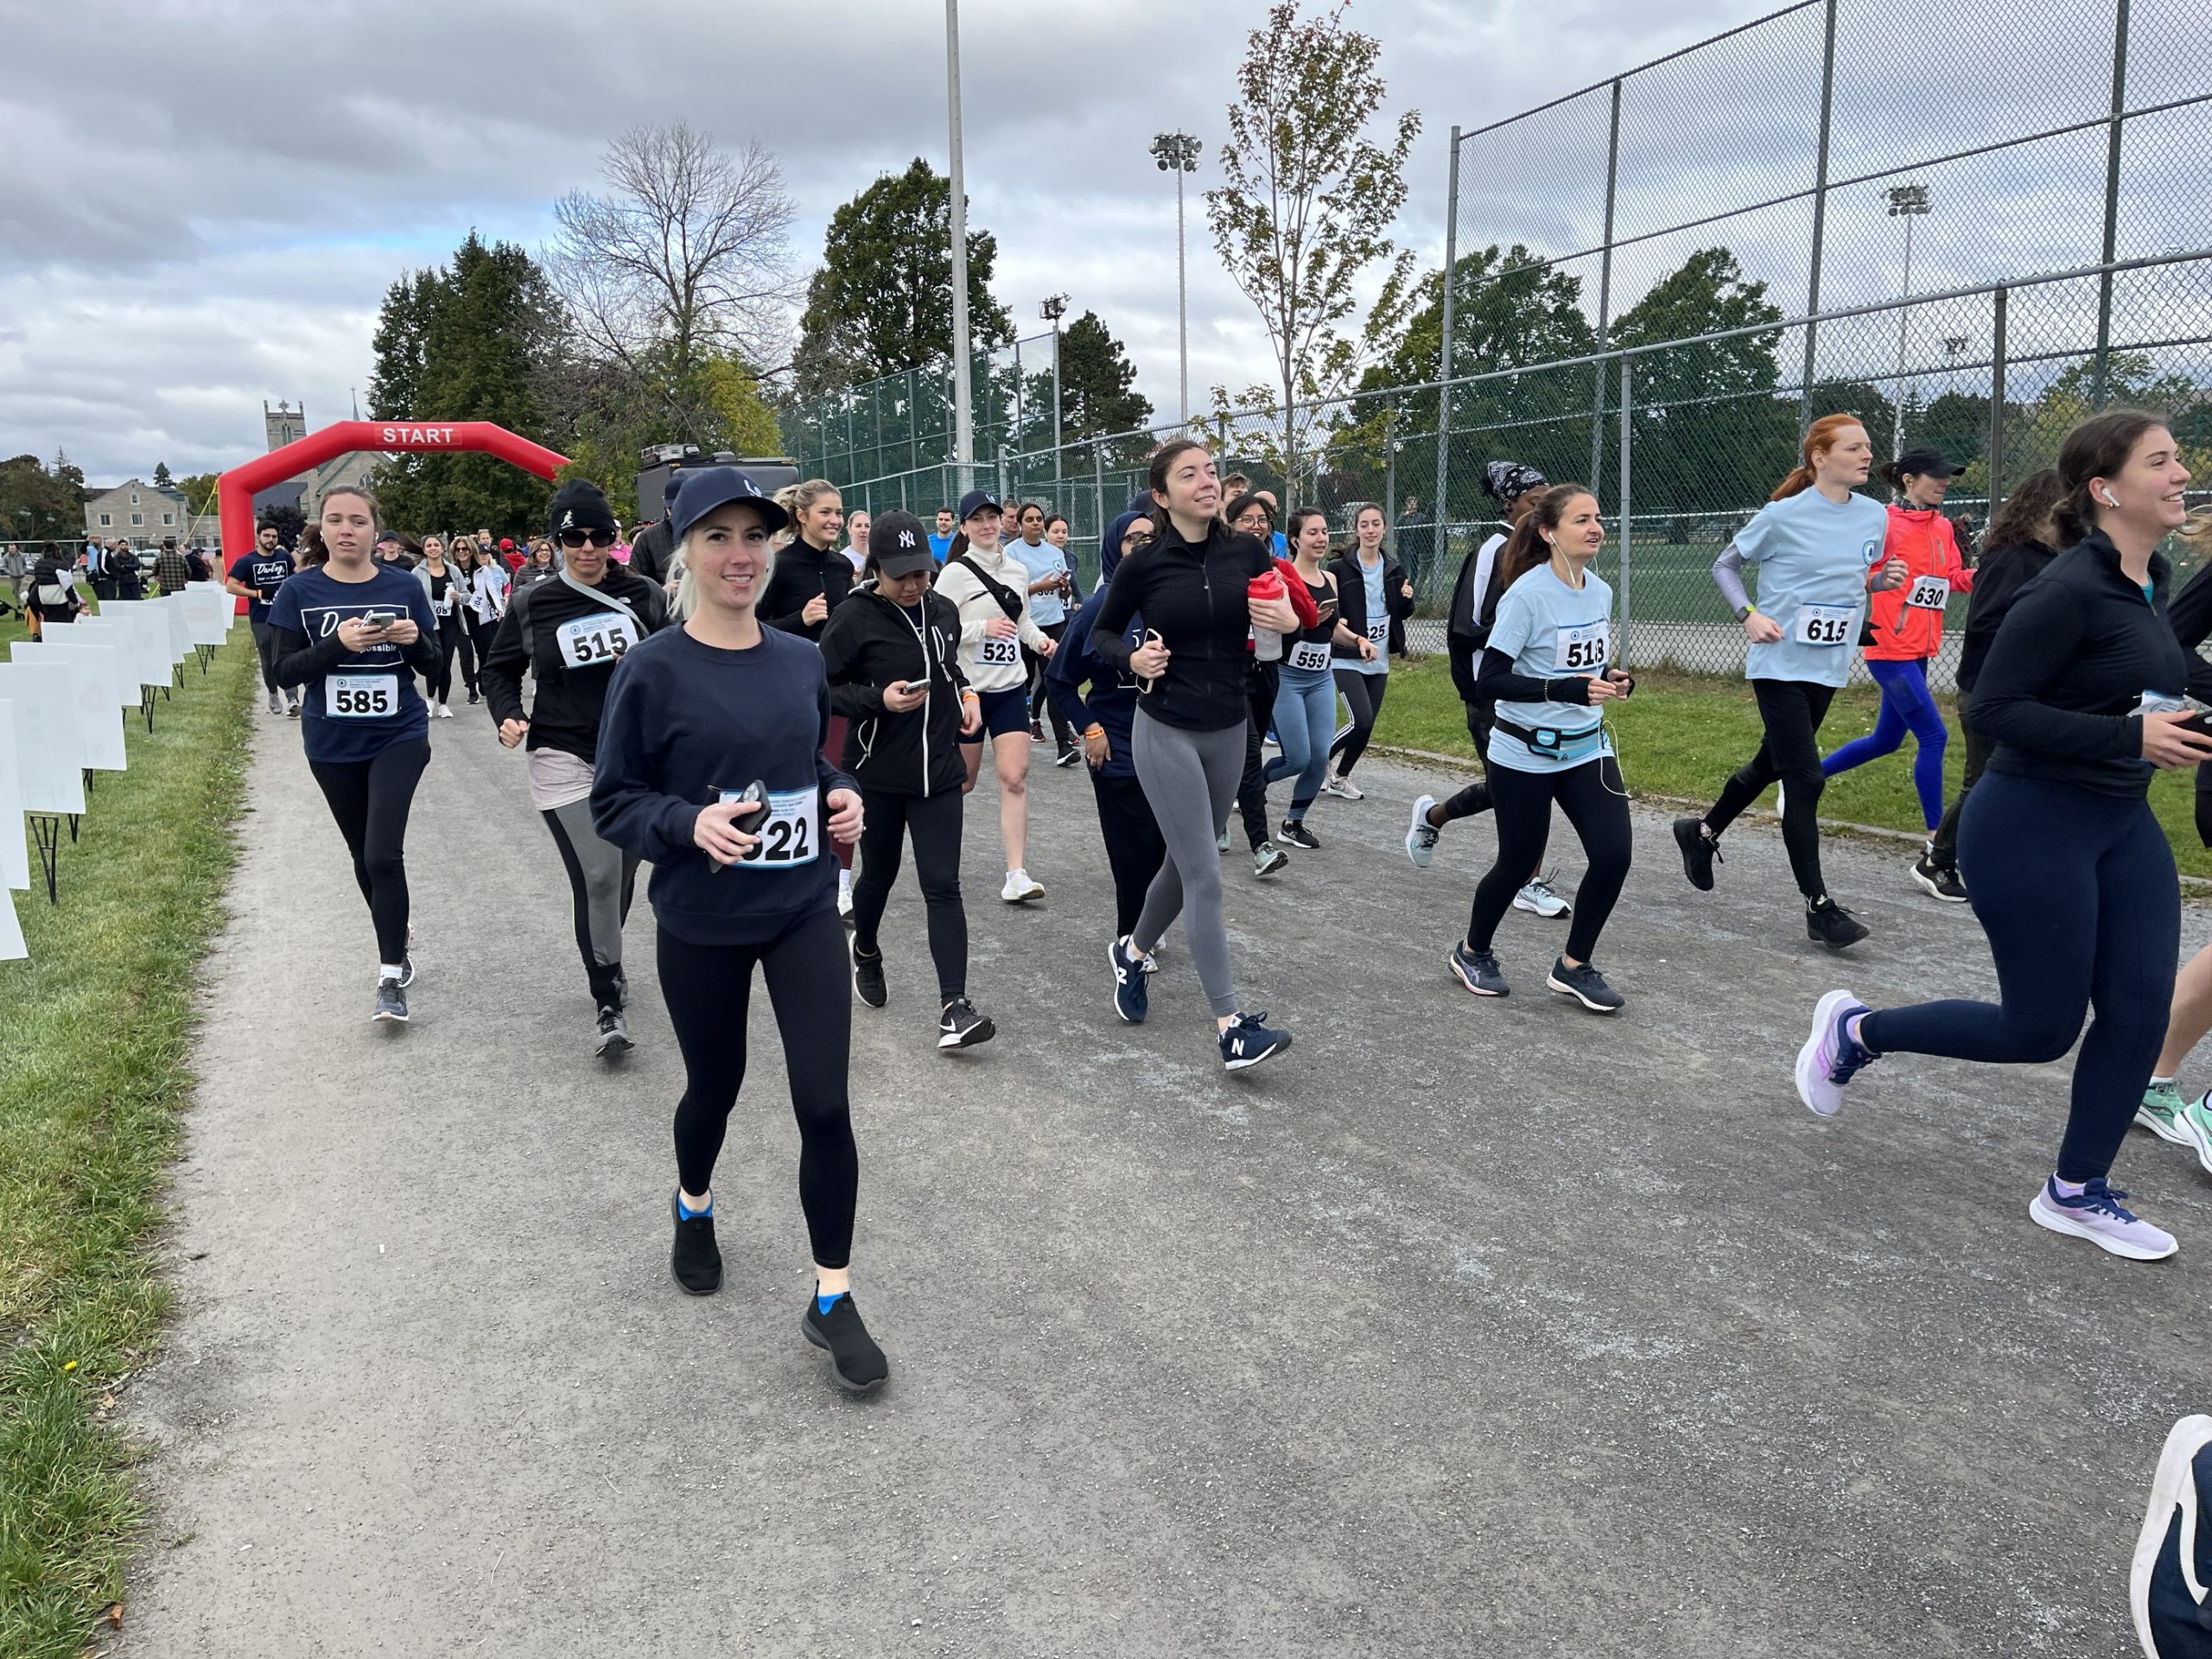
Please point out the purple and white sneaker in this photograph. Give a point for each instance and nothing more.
(2098, 1215)
(1831, 1056)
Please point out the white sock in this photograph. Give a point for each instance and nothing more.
(389, 970)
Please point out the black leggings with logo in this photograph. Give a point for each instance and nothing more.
(371, 800)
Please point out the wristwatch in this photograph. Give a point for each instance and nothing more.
(1744, 613)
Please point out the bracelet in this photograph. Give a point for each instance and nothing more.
(1094, 730)
(969, 696)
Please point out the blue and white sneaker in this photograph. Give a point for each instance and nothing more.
(2097, 1214)
(2173, 1555)
(1131, 995)
(1247, 1040)
(1477, 970)
(1831, 1056)
(1421, 834)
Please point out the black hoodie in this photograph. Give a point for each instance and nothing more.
(802, 571)
(1197, 598)
(871, 641)
(564, 714)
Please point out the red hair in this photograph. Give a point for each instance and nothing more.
(1820, 438)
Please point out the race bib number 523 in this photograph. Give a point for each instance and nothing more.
(998, 650)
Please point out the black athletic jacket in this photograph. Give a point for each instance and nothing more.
(1195, 597)
(802, 571)
(649, 553)
(2058, 690)
(869, 642)
(1996, 582)
(1351, 602)
(565, 711)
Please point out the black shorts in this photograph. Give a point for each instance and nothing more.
(1004, 712)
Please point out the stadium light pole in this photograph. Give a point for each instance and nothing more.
(1052, 308)
(964, 408)
(1907, 202)
(1177, 153)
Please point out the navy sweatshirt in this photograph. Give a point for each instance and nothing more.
(1113, 700)
(683, 720)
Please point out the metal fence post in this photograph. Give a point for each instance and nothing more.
(1605, 296)
(1628, 506)
(1443, 353)
(2101, 374)
(1820, 222)
(1996, 405)
(1099, 495)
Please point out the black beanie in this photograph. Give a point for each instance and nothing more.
(579, 506)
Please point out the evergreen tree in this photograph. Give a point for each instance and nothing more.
(161, 479)
(1097, 381)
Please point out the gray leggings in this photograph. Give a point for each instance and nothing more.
(1190, 778)
(601, 876)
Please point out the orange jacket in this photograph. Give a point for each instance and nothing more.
(1904, 630)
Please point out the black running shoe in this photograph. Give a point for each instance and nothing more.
(1938, 880)
(472, 697)
(1701, 852)
(867, 979)
(1068, 758)
(392, 1001)
(696, 1262)
(1477, 970)
(1247, 1040)
(614, 1034)
(1828, 923)
(855, 1360)
(961, 1026)
(1295, 832)
(1585, 985)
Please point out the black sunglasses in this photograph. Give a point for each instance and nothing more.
(578, 537)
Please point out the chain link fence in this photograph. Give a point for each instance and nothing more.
(1767, 281)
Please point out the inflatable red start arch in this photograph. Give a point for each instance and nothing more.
(235, 489)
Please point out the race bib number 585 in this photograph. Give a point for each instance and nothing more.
(360, 696)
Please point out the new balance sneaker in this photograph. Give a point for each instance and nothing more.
(1828, 923)
(1268, 858)
(695, 1261)
(961, 1026)
(2097, 1214)
(855, 1360)
(1421, 834)
(1247, 1040)
(1019, 889)
(392, 1001)
(1831, 1056)
(1538, 899)
(1295, 832)
(1131, 994)
(1585, 985)
(1938, 880)
(867, 979)
(276, 703)
(2160, 1112)
(613, 1036)
(1477, 970)
(2167, 1581)
(2195, 1122)
(1342, 788)
(1701, 852)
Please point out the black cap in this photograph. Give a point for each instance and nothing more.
(669, 486)
(898, 546)
(706, 488)
(1927, 463)
(580, 505)
(973, 503)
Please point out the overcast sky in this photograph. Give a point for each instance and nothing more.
(204, 200)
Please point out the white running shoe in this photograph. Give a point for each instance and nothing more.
(1421, 834)
(1538, 899)
(1342, 788)
(2097, 1214)
(1019, 889)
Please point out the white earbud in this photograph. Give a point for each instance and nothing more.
(2110, 500)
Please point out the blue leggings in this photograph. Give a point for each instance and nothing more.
(1906, 705)
(1306, 721)
(2077, 894)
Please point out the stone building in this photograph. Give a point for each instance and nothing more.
(138, 512)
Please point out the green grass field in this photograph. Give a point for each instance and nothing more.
(93, 1073)
(1681, 734)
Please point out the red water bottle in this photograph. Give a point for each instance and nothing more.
(1267, 643)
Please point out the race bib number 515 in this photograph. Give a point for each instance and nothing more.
(592, 641)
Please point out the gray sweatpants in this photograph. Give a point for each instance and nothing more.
(601, 877)
(1189, 778)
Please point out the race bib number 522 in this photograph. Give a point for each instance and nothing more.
(790, 830)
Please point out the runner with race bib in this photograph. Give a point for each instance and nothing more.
(1817, 547)
(567, 633)
(1906, 630)
(355, 632)
(1306, 695)
(1547, 669)
(710, 764)
(1374, 598)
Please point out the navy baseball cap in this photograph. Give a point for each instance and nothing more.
(706, 488)
(900, 545)
(1928, 463)
(971, 503)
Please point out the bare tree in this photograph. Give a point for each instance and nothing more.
(1307, 201)
(686, 256)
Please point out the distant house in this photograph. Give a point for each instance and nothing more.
(135, 512)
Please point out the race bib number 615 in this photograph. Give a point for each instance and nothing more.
(1825, 624)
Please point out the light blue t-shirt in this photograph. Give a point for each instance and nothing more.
(1042, 561)
(1378, 618)
(1813, 555)
(1551, 630)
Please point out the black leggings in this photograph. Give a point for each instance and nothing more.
(602, 879)
(1476, 796)
(1792, 711)
(1596, 804)
(1134, 848)
(370, 799)
(1364, 692)
(453, 640)
(934, 822)
(1039, 704)
(2077, 894)
(479, 640)
(264, 645)
(1262, 683)
(708, 988)
(1943, 845)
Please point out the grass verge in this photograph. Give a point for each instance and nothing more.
(94, 1035)
(1681, 734)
